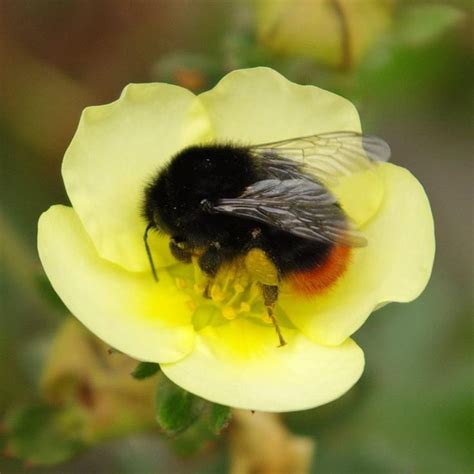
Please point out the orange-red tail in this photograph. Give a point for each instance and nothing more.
(316, 279)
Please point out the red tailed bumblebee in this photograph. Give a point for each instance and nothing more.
(220, 201)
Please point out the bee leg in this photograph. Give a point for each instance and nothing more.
(180, 250)
(209, 262)
(270, 296)
(207, 290)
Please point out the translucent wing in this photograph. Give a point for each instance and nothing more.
(327, 156)
(301, 206)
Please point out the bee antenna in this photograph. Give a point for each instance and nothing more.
(148, 252)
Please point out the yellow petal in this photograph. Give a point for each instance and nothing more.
(360, 194)
(144, 319)
(239, 364)
(115, 151)
(259, 105)
(395, 266)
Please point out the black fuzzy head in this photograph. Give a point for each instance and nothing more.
(177, 201)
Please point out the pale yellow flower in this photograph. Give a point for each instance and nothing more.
(94, 256)
(334, 32)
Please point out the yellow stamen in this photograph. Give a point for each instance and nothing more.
(254, 293)
(230, 274)
(199, 288)
(229, 312)
(236, 291)
(216, 293)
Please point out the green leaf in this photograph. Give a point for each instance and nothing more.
(193, 440)
(176, 409)
(218, 418)
(42, 434)
(214, 418)
(422, 24)
(145, 369)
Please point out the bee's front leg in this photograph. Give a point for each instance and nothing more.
(211, 259)
(210, 262)
(181, 250)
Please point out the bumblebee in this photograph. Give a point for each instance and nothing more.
(224, 201)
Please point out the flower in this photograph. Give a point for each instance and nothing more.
(334, 32)
(93, 252)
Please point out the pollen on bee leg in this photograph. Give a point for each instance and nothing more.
(261, 267)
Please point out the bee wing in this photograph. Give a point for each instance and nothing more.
(327, 156)
(300, 206)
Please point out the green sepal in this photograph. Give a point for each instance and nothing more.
(176, 409)
(145, 369)
(218, 418)
(205, 430)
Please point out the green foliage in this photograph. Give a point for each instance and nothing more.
(191, 421)
(218, 418)
(422, 24)
(42, 434)
(145, 369)
(212, 421)
(193, 440)
(176, 409)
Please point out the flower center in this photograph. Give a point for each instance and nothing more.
(235, 291)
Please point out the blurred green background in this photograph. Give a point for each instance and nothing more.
(408, 67)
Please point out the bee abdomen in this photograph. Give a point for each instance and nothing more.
(322, 275)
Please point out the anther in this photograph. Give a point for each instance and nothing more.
(217, 294)
(199, 288)
(229, 312)
(181, 283)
